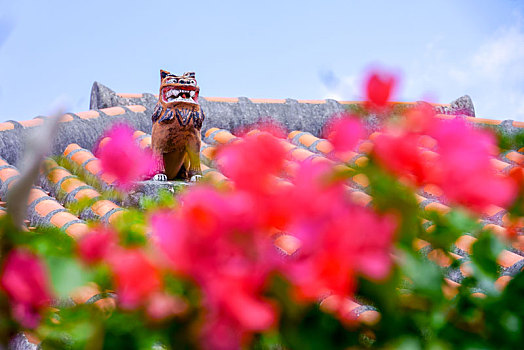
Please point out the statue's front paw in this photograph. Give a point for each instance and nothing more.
(160, 177)
(196, 178)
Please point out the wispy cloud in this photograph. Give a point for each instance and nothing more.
(492, 74)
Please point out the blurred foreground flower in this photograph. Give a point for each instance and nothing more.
(379, 88)
(24, 279)
(344, 131)
(123, 158)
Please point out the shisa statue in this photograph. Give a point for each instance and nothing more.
(177, 120)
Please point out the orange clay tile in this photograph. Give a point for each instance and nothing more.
(210, 131)
(112, 111)
(365, 147)
(262, 100)
(498, 164)
(312, 101)
(478, 295)
(94, 166)
(103, 142)
(483, 121)
(419, 244)
(138, 133)
(502, 282)
(518, 124)
(34, 194)
(222, 99)
(374, 135)
(115, 216)
(438, 207)
(145, 142)
(369, 317)
(88, 114)
(31, 123)
(420, 198)
(62, 218)
(360, 198)
(66, 118)
(300, 154)
(492, 210)
(81, 156)
(516, 157)
(7, 173)
(208, 152)
(307, 139)
(287, 243)
(129, 95)
(466, 269)
(290, 135)
(450, 288)
(70, 148)
(46, 206)
(137, 108)
(324, 147)
(507, 258)
(346, 156)
(70, 184)
(521, 150)
(223, 137)
(6, 126)
(56, 175)
(77, 230)
(361, 179)
(362, 161)
(427, 141)
(108, 179)
(87, 193)
(215, 176)
(101, 207)
(433, 190)
(321, 160)
(440, 258)
(464, 242)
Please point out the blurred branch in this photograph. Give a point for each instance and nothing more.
(39, 144)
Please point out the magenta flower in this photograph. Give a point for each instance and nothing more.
(123, 158)
(344, 131)
(469, 178)
(24, 279)
(94, 246)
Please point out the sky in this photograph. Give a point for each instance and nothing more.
(51, 51)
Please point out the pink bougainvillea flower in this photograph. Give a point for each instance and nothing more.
(339, 240)
(94, 246)
(123, 158)
(344, 131)
(136, 278)
(221, 231)
(24, 279)
(379, 88)
(469, 178)
(402, 155)
(253, 162)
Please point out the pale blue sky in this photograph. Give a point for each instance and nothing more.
(53, 50)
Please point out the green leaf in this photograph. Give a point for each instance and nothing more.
(66, 274)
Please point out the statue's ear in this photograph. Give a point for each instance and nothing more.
(163, 74)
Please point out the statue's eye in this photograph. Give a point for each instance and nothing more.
(192, 82)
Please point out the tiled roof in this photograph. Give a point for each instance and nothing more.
(80, 176)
